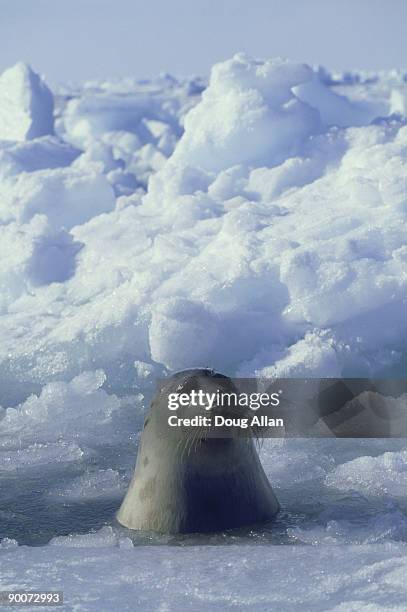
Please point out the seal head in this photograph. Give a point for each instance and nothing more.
(194, 482)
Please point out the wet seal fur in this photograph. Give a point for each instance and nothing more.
(191, 484)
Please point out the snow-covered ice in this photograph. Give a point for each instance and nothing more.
(309, 220)
(26, 104)
(255, 224)
(348, 579)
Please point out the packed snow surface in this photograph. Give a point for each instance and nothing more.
(254, 224)
(26, 105)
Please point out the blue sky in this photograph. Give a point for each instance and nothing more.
(80, 39)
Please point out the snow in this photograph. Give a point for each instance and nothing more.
(248, 114)
(66, 196)
(26, 104)
(304, 214)
(351, 578)
(78, 410)
(255, 225)
(334, 108)
(385, 474)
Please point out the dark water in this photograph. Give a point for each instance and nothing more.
(29, 515)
